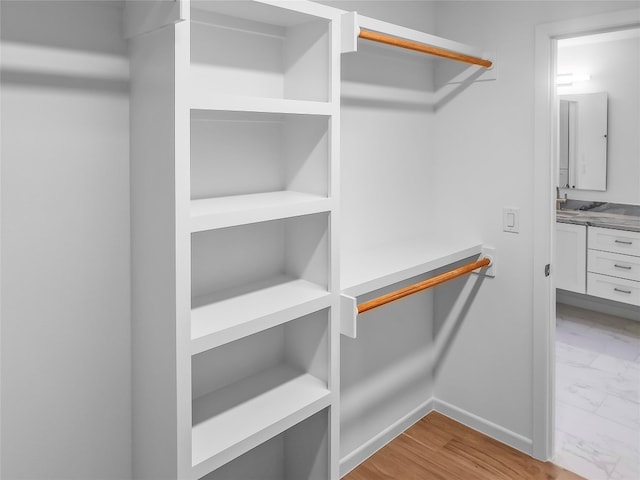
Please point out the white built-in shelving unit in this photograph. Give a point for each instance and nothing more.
(234, 130)
(235, 134)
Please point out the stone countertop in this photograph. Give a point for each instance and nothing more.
(606, 215)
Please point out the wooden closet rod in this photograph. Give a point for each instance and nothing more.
(421, 47)
(420, 286)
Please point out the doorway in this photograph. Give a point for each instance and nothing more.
(597, 363)
(545, 181)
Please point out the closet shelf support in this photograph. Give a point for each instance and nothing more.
(423, 48)
(423, 285)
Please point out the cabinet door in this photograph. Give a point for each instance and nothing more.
(571, 257)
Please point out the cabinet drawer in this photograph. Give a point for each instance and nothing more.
(611, 240)
(614, 264)
(619, 289)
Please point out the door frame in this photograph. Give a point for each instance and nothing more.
(544, 182)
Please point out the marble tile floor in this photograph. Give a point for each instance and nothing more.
(597, 394)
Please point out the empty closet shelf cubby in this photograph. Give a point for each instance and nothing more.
(255, 166)
(250, 277)
(261, 51)
(301, 451)
(257, 387)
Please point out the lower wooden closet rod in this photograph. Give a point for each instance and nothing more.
(423, 48)
(420, 286)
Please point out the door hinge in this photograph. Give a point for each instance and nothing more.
(547, 269)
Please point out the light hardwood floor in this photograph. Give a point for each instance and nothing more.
(440, 448)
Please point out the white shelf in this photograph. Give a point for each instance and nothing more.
(374, 268)
(233, 420)
(211, 102)
(233, 314)
(212, 213)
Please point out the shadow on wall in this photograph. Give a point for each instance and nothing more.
(38, 52)
(385, 371)
(62, 81)
(450, 313)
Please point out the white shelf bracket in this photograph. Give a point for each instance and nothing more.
(490, 271)
(350, 31)
(348, 315)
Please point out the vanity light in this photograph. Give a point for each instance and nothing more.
(571, 78)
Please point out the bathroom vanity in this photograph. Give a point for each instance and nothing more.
(598, 250)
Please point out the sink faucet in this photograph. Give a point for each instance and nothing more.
(559, 199)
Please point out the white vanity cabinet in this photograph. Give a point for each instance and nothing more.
(601, 262)
(571, 257)
(613, 265)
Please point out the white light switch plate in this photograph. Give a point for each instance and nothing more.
(511, 220)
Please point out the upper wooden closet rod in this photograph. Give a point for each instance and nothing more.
(420, 286)
(420, 47)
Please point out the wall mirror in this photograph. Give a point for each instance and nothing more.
(583, 141)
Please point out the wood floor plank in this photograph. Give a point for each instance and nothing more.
(439, 448)
(393, 463)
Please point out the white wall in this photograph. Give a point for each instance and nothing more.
(484, 162)
(387, 135)
(614, 67)
(66, 373)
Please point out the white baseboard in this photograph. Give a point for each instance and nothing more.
(596, 304)
(482, 425)
(360, 454)
(503, 435)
